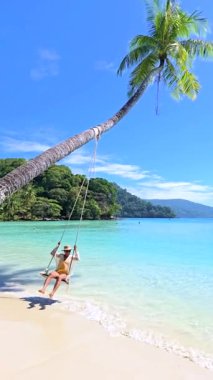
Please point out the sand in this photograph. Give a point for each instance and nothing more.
(39, 341)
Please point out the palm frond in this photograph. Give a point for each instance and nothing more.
(168, 5)
(152, 8)
(170, 74)
(198, 48)
(160, 27)
(199, 25)
(141, 72)
(140, 47)
(180, 55)
(182, 24)
(187, 85)
(142, 40)
(133, 58)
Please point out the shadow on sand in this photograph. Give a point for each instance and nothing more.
(14, 281)
(42, 302)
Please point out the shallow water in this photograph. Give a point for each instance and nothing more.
(151, 279)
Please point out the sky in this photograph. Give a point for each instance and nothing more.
(58, 78)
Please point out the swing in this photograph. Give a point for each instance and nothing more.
(66, 280)
(54, 252)
(91, 171)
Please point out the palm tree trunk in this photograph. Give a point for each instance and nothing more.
(22, 175)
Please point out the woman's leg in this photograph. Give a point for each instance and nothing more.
(47, 281)
(57, 283)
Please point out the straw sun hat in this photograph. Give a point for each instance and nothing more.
(67, 248)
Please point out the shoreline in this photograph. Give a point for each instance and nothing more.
(41, 340)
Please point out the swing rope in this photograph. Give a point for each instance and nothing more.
(91, 171)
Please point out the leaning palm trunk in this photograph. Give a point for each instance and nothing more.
(22, 175)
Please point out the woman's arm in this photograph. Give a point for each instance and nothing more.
(76, 255)
(54, 251)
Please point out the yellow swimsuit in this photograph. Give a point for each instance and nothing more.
(63, 267)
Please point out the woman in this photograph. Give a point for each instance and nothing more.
(64, 262)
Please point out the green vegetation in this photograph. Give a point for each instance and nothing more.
(173, 43)
(134, 207)
(52, 195)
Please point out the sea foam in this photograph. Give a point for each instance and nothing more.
(116, 326)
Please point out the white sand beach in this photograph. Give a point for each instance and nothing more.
(39, 342)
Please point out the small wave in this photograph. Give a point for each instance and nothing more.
(110, 321)
(198, 357)
(116, 326)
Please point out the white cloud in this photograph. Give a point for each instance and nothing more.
(145, 184)
(125, 171)
(176, 186)
(47, 65)
(81, 157)
(14, 145)
(105, 66)
(174, 190)
(48, 55)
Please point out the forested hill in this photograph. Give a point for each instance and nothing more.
(185, 209)
(134, 207)
(51, 196)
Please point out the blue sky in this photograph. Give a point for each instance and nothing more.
(58, 78)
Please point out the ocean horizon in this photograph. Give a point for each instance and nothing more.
(148, 279)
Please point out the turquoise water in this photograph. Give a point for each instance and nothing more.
(149, 279)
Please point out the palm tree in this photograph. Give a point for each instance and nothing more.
(169, 45)
(167, 54)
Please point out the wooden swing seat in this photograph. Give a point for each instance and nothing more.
(45, 274)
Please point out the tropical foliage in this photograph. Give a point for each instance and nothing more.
(53, 194)
(172, 44)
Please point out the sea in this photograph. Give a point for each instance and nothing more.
(150, 280)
